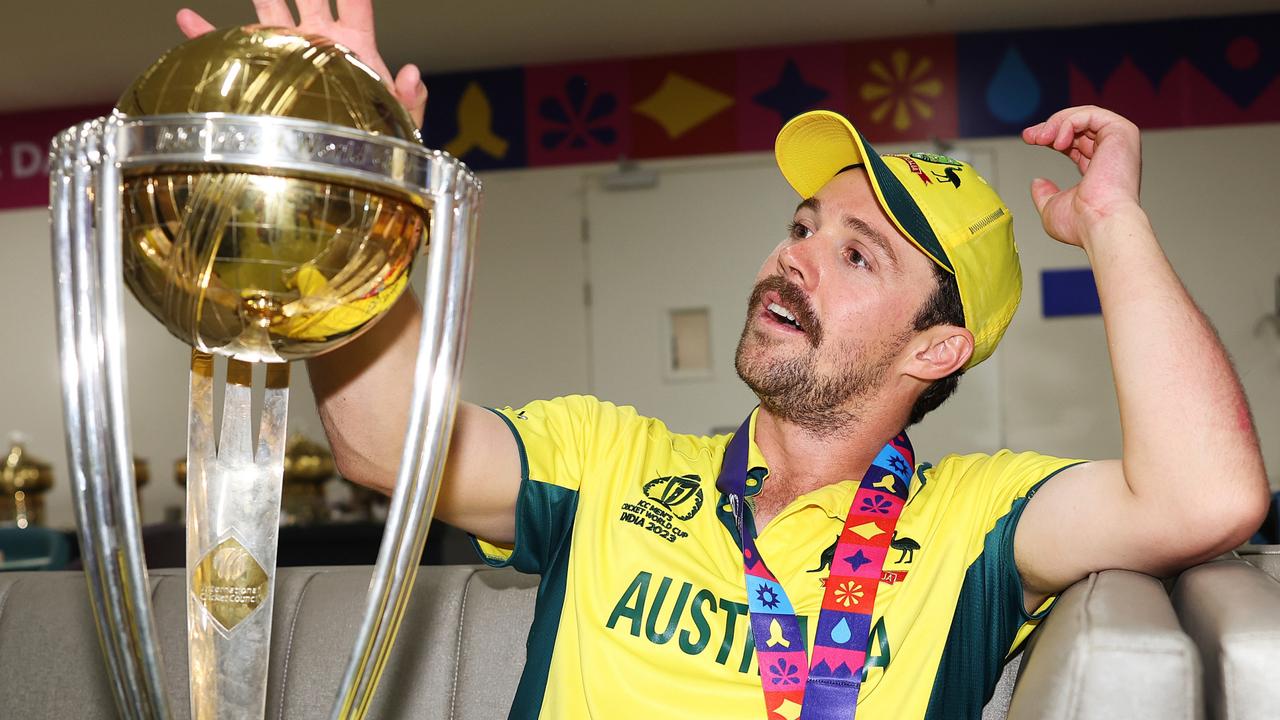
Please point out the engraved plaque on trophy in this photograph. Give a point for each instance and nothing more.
(264, 196)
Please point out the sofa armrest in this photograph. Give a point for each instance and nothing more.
(1111, 648)
(1232, 611)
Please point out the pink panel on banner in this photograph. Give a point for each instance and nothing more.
(577, 113)
(903, 89)
(776, 84)
(24, 152)
(683, 105)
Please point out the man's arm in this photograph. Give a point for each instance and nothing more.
(1191, 482)
(362, 389)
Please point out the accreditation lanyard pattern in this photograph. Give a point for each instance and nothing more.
(830, 688)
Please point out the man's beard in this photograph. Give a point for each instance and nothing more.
(792, 388)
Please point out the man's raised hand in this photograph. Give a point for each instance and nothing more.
(353, 27)
(1107, 150)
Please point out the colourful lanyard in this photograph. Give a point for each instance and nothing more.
(831, 688)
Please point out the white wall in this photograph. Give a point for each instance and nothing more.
(696, 240)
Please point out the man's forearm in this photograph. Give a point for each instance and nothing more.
(362, 391)
(1189, 444)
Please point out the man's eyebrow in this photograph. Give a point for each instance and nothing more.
(860, 226)
(875, 236)
(810, 203)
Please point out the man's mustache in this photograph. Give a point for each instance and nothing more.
(794, 299)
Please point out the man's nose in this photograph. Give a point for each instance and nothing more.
(798, 262)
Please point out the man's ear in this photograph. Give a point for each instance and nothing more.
(939, 351)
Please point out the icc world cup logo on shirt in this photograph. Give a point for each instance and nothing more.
(682, 495)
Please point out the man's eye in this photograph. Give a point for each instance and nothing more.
(857, 258)
(798, 231)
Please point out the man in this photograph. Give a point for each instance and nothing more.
(807, 559)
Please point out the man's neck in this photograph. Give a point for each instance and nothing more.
(801, 461)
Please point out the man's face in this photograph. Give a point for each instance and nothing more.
(832, 308)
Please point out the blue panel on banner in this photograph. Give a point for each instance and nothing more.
(1069, 292)
(478, 117)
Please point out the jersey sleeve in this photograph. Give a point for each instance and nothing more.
(994, 490)
(558, 440)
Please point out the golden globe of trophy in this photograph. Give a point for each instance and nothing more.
(265, 197)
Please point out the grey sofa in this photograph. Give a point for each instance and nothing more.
(1111, 649)
(1231, 608)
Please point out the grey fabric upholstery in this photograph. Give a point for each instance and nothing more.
(1264, 557)
(1231, 609)
(1111, 649)
(461, 648)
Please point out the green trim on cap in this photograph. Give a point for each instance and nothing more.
(904, 208)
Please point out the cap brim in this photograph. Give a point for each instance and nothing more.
(816, 145)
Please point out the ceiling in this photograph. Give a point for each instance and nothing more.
(79, 52)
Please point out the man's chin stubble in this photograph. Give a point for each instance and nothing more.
(789, 391)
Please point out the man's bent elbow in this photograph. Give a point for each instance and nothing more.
(1234, 520)
(361, 471)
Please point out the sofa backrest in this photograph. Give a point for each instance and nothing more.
(462, 647)
(459, 654)
(1231, 608)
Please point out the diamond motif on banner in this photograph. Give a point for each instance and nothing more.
(788, 710)
(680, 104)
(229, 583)
(866, 530)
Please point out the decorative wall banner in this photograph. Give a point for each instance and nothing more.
(1179, 73)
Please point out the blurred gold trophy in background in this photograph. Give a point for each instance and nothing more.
(24, 480)
(308, 465)
(264, 196)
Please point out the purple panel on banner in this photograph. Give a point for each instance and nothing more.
(577, 113)
(1064, 293)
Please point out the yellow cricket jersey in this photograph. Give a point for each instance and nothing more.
(642, 607)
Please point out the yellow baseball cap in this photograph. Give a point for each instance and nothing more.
(941, 205)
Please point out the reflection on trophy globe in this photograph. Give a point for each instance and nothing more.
(266, 264)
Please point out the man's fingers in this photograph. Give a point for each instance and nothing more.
(1062, 139)
(314, 12)
(411, 92)
(192, 24)
(356, 14)
(1041, 191)
(274, 13)
(1085, 144)
(1080, 159)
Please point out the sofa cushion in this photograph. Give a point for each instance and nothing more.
(1232, 611)
(1112, 648)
